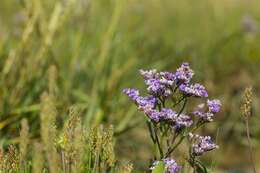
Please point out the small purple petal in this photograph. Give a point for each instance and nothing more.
(196, 90)
(153, 114)
(171, 165)
(149, 74)
(168, 114)
(214, 105)
(132, 93)
(202, 144)
(184, 73)
(167, 78)
(206, 116)
(183, 121)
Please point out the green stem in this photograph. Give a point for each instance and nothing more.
(150, 131)
(183, 106)
(250, 144)
(179, 101)
(170, 150)
(158, 142)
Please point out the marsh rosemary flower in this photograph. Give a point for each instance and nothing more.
(202, 144)
(171, 165)
(184, 73)
(196, 90)
(214, 105)
(168, 121)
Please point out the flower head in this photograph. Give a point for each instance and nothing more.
(196, 90)
(146, 101)
(206, 116)
(168, 114)
(152, 114)
(132, 93)
(202, 144)
(183, 121)
(167, 78)
(149, 74)
(214, 105)
(171, 165)
(155, 87)
(184, 73)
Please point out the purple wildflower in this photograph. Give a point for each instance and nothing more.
(214, 105)
(167, 78)
(206, 116)
(153, 114)
(183, 121)
(171, 165)
(184, 73)
(139, 100)
(146, 101)
(149, 74)
(202, 144)
(145, 104)
(155, 87)
(157, 83)
(132, 93)
(196, 90)
(168, 114)
(178, 122)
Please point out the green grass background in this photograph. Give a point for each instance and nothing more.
(87, 51)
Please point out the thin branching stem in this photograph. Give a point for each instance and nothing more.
(170, 150)
(158, 141)
(179, 101)
(150, 131)
(183, 106)
(250, 144)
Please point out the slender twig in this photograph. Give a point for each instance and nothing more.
(250, 144)
(150, 131)
(162, 101)
(128, 128)
(158, 142)
(174, 137)
(183, 106)
(170, 150)
(175, 89)
(179, 101)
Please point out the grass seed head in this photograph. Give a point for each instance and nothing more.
(246, 107)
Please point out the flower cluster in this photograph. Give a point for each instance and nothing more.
(164, 106)
(196, 90)
(171, 165)
(213, 107)
(161, 85)
(201, 144)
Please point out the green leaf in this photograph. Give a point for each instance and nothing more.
(159, 168)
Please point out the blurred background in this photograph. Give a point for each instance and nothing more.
(87, 51)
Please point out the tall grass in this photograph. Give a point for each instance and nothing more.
(83, 52)
(74, 149)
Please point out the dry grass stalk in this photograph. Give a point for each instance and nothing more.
(246, 109)
(48, 131)
(23, 145)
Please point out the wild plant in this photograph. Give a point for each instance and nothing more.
(71, 149)
(246, 110)
(169, 121)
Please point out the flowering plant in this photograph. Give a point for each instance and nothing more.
(169, 122)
